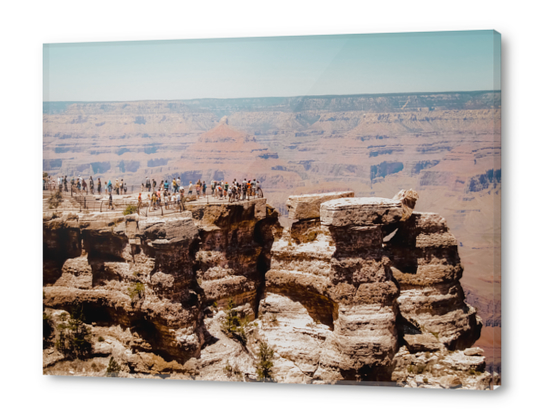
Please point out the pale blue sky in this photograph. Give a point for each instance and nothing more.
(280, 66)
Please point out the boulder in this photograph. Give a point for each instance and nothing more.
(421, 342)
(474, 351)
(360, 211)
(307, 206)
(408, 199)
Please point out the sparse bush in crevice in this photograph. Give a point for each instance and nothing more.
(274, 321)
(130, 209)
(232, 371)
(55, 199)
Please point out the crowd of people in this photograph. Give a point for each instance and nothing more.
(80, 185)
(173, 193)
(166, 193)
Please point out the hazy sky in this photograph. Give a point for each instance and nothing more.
(281, 66)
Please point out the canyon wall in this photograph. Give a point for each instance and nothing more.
(359, 290)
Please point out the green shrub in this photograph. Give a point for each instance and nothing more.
(48, 330)
(234, 325)
(312, 236)
(420, 368)
(55, 199)
(230, 370)
(113, 368)
(136, 289)
(130, 208)
(264, 367)
(100, 339)
(474, 372)
(74, 336)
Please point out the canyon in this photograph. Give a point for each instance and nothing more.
(357, 290)
(446, 146)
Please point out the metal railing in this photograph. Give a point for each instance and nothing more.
(145, 209)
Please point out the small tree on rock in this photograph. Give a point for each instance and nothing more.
(113, 368)
(264, 367)
(74, 336)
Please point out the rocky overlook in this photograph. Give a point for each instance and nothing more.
(358, 290)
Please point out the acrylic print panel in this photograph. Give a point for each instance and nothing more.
(316, 209)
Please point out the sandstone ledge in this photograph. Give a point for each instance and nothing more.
(302, 207)
(360, 211)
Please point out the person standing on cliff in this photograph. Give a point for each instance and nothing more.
(99, 186)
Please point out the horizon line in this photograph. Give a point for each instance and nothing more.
(289, 97)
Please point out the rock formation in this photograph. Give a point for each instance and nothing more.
(357, 290)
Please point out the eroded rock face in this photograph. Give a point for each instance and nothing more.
(61, 241)
(427, 268)
(234, 252)
(143, 273)
(363, 289)
(338, 267)
(339, 273)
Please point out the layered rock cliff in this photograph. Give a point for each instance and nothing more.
(357, 290)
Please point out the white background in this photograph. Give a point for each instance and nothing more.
(25, 26)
